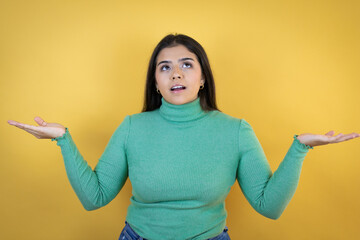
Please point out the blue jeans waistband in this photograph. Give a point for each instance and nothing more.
(129, 234)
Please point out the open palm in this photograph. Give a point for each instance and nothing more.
(43, 131)
(317, 139)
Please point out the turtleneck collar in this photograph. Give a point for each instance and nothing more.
(181, 113)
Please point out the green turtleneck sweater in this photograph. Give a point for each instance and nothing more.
(182, 162)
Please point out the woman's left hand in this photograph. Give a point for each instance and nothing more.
(317, 140)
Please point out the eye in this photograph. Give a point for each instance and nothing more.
(187, 65)
(164, 67)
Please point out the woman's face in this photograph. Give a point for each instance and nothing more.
(178, 75)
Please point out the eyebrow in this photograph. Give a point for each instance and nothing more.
(181, 59)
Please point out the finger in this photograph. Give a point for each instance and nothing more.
(27, 126)
(12, 122)
(343, 138)
(354, 135)
(348, 137)
(334, 139)
(15, 123)
(330, 133)
(40, 121)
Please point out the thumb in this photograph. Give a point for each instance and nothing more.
(40, 121)
(330, 133)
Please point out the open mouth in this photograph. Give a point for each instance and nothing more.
(177, 88)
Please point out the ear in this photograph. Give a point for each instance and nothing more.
(202, 80)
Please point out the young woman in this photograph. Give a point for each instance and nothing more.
(181, 154)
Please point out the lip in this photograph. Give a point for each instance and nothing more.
(177, 90)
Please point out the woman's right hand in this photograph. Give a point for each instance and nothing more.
(43, 131)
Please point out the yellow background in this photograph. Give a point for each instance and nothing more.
(287, 67)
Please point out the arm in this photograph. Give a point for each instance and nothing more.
(268, 193)
(96, 188)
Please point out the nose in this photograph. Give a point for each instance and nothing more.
(177, 74)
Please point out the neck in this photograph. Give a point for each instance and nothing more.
(181, 113)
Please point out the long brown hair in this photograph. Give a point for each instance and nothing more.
(152, 99)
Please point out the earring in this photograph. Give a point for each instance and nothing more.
(157, 90)
(202, 86)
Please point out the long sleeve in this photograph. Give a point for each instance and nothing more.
(268, 193)
(96, 188)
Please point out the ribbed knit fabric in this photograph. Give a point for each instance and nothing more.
(182, 162)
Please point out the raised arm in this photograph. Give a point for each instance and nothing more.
(94, 188)
(268, 193)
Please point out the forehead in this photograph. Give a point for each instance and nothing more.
(175, 53)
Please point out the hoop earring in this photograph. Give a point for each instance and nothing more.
(157, 90)
(202, 87)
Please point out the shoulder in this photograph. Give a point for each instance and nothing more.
(143, 119)
(226, 118)
(240, 124)
(136, 118)
(144, 116)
